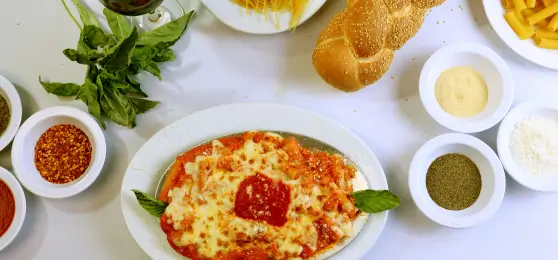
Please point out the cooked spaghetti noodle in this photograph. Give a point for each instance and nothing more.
(295, 7)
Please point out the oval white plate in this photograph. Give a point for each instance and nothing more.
(516, 115)
(235, 16)
(20, 208)
(160, 151)
(526, 48)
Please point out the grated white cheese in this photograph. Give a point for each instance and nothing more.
(534, 145)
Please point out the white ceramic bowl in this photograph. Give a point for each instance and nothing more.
(9, 93)
(489, 65)
(526, 48)
(20, 208)
(23, 151)
(492, 174)
(516, 115)
(235, 16)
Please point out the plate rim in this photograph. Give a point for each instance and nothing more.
(313, 7)
(368, 163)
(495, 14)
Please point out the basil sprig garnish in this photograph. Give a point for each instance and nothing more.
(375, 201)
(113, 58)
(152, 205)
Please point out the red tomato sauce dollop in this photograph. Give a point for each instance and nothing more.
(260, 198)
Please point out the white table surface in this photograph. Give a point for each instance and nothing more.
(217, 66)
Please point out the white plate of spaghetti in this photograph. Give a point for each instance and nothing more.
(263, 16)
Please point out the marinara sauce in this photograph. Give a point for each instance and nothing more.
(7, 207)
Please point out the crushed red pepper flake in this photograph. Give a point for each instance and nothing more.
(63, 154)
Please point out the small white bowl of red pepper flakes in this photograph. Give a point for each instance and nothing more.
(58, 152)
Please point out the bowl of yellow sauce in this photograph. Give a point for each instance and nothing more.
(466, 87)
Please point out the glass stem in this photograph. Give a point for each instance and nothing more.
(155, 15)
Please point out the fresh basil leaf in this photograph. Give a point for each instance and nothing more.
(133, 69)
(82, 58)
(165, 55)
(117, 108)
(152, 205)
(373, 201)
(87, 17)
(143, 53)
(118, 24)
(169, 32)
(142, 105)
(132, 82)
(71, 15)
(92, 72)
(94, 36)
(60, 89)
(151, 67)
(90, 96)
(119, 57)
(116, 82)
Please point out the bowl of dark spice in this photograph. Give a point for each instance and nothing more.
(457, 180)
(10, 112)
(58, 152)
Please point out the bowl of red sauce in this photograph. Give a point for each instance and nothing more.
(12, 208)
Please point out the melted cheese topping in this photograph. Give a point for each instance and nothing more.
(204, 208)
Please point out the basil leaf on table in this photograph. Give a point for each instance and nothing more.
(87, 17)
(142, 53)
(169, 32)
(120, 55)
(151, 67)
(165, 55)
(154, 206)
(94, 36)
(81, 58)
(111, 80)
(90, 96)
(91, 74)
(117, 108)
(373, 201)
(118, 24)
(142, 105)
(60, 89)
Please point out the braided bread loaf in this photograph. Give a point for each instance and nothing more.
(357, 46)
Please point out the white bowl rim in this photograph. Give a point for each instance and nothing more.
(15, 109)
(519, 112)
(259, 29)
(21, 208)
(436, 111)
(313, 126)
(95, 167)
(487, 152)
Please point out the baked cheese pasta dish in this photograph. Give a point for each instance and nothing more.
(259, 196)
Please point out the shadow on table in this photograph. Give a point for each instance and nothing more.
(32, 233)
(397, 172)
(286, 57)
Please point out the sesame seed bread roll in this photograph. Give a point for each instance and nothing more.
(357, 46)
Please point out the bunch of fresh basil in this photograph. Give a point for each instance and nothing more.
(112, 59)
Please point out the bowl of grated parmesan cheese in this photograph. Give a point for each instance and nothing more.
(528, 145)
